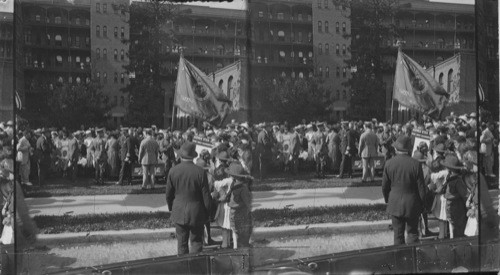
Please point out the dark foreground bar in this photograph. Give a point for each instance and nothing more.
(461, 255)
(219, 262)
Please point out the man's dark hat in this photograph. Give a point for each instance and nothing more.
(419, 156)
(236, 170)
(224, 155)
(402, 144)
(452, 162)
(440, 148)
(188, 150)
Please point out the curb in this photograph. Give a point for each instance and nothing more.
(167, 233)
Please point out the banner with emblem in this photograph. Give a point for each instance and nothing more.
(197, 95)
(416, 89)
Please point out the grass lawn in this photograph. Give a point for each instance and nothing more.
(159, 220)
(57, 257)
(86, 187)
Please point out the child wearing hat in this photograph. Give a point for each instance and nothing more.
(240, 202)
(456, 196)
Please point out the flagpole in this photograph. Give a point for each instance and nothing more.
(398, 43)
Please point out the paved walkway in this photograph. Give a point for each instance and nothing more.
(77, 205)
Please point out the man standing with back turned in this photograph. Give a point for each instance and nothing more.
(188, 199)
(404, 191)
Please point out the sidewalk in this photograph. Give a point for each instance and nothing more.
(78, 205)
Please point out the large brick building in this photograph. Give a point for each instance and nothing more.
(6, 65)
(331, 27)
(431, 33)
(109, 28)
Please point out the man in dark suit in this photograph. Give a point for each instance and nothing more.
(125, 157)
(404, 191)
(347, 148)
(43, 150)
(188, 198)
(264, 150)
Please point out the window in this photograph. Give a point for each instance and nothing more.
(116, 78)
(105, 8)
(301, 75)
(280, 15)
(48, 39)
(450, 81)
(59, 60)
(310, 37)
(77, 41)
(327, 71)
(221, 83)
(58, 39)
(105, 53)
(70, 79)
(343, 50)
(57, 19)
(37, 18)
(122, 32)
(77, 21)
(122, 55)
(98, 7)
(299, 16)
(98, 53)
(344, 72)
(327, 48)
(116, 54)
(344, 95)
(115, 101)
(105, 31)
(281, 36)
(338, 72)
(300, 37)
(343, 27)
(261, 14)
(441, 79)
(337, 49)
(320, 71)
(116, 32)
(78, 80)
(87, 21)
(282, 56)
(327, 28)
(300, 54)
(98, 76)
(122, 78)
(326, 4)
(338, 95)
(337, 30)
(229, 86)
(87, 59)
(105, 77)
(319, 4)
(320, 49)
(97, 31)
(320, 26)
(293, 75)
(122, 101)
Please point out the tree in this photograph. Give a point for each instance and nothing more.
(151, 29)
(291, 100)
(371, 29)
(74, 105)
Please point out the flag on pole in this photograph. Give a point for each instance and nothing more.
(480, 92)
(417, 89)
(19, 102)
(197, 95)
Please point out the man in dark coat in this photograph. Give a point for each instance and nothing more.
(404, 190)
(125, 157)
(264, 150)
(43, 150)
(188, 198)
(348, 149)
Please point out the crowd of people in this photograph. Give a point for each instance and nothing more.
(241, 152)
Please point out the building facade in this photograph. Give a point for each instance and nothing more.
(331, 29)
(487, 34)
(210, 38)
(109, 30)
(6, 65)
(431, 32)
(56, 46)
